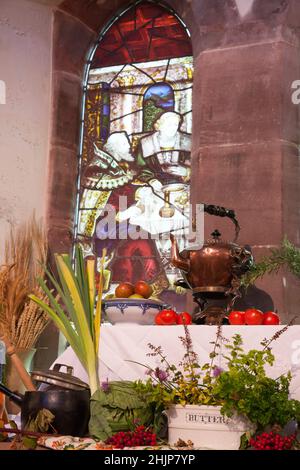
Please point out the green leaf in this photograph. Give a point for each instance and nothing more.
(245, 441)
(29, 442)
(63, 324)
(83, 286)
(66, 299)
(118, 409)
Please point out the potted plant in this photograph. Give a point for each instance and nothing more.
(213, 407)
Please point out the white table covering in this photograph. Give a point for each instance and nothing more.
(122, 343)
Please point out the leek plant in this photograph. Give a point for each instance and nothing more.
(73, 310)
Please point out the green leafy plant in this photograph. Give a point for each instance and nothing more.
(288, 255)
(116, 407)
(74, 311)
(245, 389)
(242, 388)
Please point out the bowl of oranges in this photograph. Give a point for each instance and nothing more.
(132, 303)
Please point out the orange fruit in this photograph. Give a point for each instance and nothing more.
(124, 290)
(142, 288)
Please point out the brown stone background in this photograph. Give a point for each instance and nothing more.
(245, 127)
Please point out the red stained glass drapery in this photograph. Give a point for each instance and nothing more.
(146, 32)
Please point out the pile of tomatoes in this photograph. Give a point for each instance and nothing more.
(253, 316)
(140, 290)
(170, 317)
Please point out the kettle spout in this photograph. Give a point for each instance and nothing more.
(176, 258)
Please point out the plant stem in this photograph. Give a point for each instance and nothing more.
(216, 345)
(93, 380)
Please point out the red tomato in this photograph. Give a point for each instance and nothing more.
(236, 317)
(271, 318)
(166, 317)
(184, 318)
(159, 320)
(253, 316)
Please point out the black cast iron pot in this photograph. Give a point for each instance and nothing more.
(71, 408)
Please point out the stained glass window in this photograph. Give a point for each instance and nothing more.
(135, 147)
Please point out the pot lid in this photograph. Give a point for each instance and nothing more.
(64, 380)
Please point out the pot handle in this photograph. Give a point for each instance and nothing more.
(57, 367)
(17, 399)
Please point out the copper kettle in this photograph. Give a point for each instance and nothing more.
(215, 268)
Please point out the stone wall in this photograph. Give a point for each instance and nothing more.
(246, 128)
(25, 58)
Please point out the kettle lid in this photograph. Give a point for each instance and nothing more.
(65, 380)
(218, 241)
(216, 235)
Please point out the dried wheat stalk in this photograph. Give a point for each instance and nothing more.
(21, 320)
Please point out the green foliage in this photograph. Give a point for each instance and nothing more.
(245, 389)
(285, 256)
(118, 408)
(151, 113)
(242, 389)
(73, 312)
(29, 442)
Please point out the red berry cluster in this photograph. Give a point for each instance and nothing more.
(272, 441)
(139, 437)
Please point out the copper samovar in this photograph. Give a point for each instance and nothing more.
(213, 272)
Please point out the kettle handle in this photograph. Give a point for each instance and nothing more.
(220, 211)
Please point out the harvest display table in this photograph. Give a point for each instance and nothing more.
(121, 344)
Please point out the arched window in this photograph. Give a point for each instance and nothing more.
(133, 185)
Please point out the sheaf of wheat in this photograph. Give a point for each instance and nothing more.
(21, 320)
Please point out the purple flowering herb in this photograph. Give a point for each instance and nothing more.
(217, 371)
(160, 374)
(105, 386)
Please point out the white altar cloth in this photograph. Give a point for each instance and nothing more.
(122, 343)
